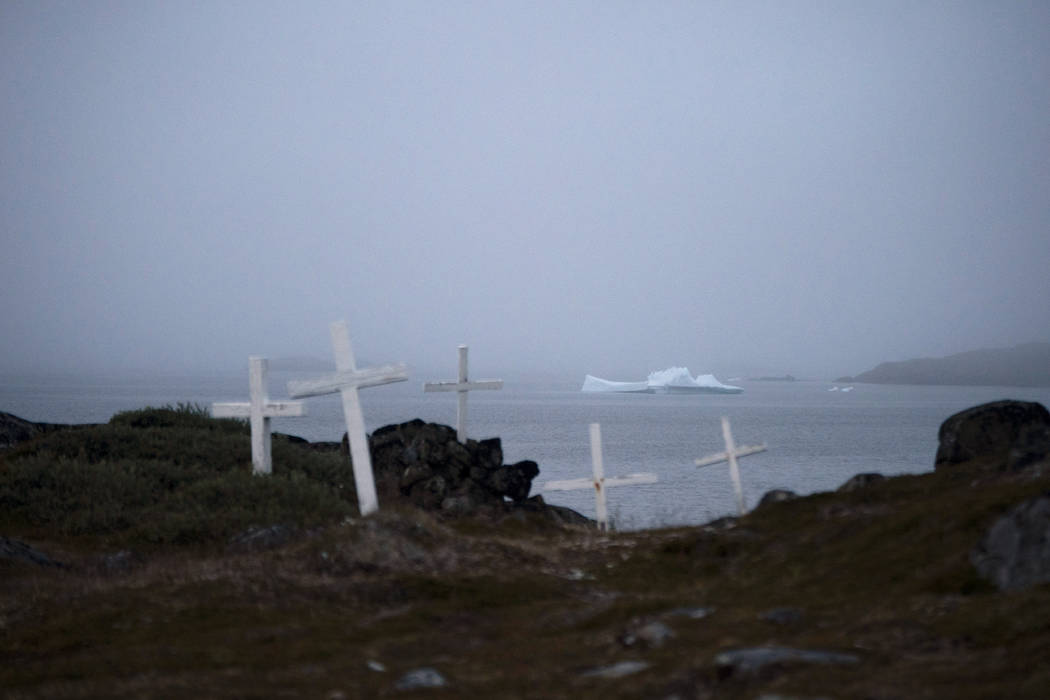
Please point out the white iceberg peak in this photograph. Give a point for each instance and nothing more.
(670, 380)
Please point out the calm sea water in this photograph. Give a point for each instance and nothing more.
(817, 439)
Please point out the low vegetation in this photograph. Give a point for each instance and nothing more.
(178, 573)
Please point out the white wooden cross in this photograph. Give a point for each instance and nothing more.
(346, 381)
(462, 386)
(730, 455)
(599, 482)
(259, 410)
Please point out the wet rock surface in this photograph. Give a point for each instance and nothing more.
(425, 465)
(14, 430)
(257, 539)
(992, 430)
(1015, 551)
(861, 481)
(776, 496)
(16, 550)
(421, 678)
(766, 660)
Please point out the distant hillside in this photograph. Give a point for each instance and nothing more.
(1023, 365)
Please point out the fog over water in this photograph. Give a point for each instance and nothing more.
(606, 187)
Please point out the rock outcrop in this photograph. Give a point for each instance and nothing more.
(861, 481)
(425, 465)
(995, 431)
(16, 550)
(14, 430)
(1023, 365)
(1015, 552)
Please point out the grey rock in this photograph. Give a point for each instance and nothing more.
(257, 538)
(556, 514)
(20, 551)
(728, 522)
(776, 496)
(513, 480)
(782, 616)
(421, 678)
(758, 660)
(691, 613)
(119, 562)
(861, 481)
(1030, 449)
(617, 670)
(424, 464)
(990, 430)
(1015, 551)
(14, 430)
(650, 635)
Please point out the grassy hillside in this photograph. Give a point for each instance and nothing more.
(161, 594)
(1023, 365)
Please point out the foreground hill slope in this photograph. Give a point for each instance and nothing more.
(1022, 365)
(867, 592)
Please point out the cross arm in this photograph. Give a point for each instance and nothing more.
(741, 451)
(569, 485)
(630, 479)
(361, 378)
(463, 386)
(231, 410)
(575, 484)
(271, 409)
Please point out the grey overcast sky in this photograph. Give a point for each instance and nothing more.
(567, 187)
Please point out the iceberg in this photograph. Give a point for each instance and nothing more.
(673, 380)
(592, 383)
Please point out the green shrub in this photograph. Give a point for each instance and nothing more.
(166, 476)
(182, 415)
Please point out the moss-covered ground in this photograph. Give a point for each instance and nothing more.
(520, 608)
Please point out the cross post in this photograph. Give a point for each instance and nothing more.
(730, 455)
(259, 410)
(346, 381)
(599, 482)
(462, 386)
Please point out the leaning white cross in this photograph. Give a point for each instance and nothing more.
(347, 380)
(731, 454)
(599, 482)
(462, 386)
(259, 410)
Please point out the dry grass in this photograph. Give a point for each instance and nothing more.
(523, 609)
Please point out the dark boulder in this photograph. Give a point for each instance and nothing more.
(14, 430)
(782, 616)
(861, 481)
(1031, 448)
(257, 538)
(425, 465)
(1015, 552)
(776, 496)
(15, 550)
(992, 431)
(766, 661)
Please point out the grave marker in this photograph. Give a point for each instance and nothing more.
(730, 455)
(599, 482)
(259, 410)
(462, 386)
(346, 381)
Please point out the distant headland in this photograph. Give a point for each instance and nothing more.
(1023, 365)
